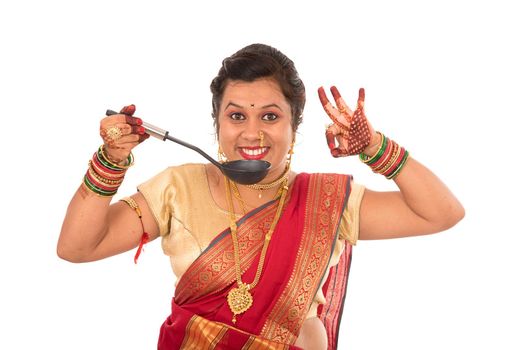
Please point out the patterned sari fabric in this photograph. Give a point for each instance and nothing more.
(294, 267)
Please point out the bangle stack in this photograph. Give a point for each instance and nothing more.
(388, 160)
(103, 177)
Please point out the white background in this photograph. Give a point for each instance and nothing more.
(444, 79)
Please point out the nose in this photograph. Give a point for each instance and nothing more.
(252, 130)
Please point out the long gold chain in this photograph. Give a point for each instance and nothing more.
(239, 298)
(237, 195)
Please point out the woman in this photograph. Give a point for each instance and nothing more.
(264, 265)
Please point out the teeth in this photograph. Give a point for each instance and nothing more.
(254, 152)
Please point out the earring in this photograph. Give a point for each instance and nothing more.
(290, 154)
(221, 155)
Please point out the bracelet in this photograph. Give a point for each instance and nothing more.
(104, 177)
(389, 160)
(393, 155)
(145, 236)
(400, 166)
(385, 157)
(102, 156)
(378, 154)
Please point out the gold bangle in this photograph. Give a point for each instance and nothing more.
(97, 169)
(103, 179)
(369, 158)
(130, 160)
(393, 161)
(389, 162)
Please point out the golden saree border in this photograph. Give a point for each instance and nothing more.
(326, 199)
(214, 269)
(202, 334)
(334, 290)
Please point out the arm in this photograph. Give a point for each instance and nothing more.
(93, 229)
(423, 203)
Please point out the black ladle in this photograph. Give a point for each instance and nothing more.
(245, 172)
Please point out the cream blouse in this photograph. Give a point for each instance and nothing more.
(188, 217)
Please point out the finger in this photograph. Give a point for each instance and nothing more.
(128, 129)
(328, 107)
(322, 95)
(337, 153)
(107, 122)
(361, 98)
(128, 110)
(330, 138)
(127, 139)
(133, 120)
(341, 104)
(138, 130)
(143, 137)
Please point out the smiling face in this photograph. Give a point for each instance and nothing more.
(249, 110)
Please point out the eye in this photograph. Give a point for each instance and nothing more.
(237, 116)
(269, 117)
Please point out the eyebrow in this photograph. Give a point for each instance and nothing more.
(265, 106)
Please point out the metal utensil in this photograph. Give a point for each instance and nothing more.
(245, 172)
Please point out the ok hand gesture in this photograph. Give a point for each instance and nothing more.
(350, 129)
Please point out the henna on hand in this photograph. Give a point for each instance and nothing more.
(129, 133)
(350, 130)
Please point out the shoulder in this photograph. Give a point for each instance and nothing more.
(176, 175)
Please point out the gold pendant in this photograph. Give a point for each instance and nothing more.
(239, 300)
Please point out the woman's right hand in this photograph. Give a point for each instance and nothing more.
(121, 133)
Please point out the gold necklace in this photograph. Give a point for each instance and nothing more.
(240, 299)
(237, 195)
(263, 187)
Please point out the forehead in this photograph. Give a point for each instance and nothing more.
(259, 92)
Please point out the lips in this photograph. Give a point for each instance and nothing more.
(253, 153)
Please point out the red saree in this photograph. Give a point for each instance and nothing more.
(294, 267)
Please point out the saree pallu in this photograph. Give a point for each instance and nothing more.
(296, 261)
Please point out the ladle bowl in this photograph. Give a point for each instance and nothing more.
(244, 172)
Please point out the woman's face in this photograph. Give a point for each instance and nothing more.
(249, 110)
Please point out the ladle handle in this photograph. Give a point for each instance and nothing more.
(163, 135)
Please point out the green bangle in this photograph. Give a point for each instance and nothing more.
(102, 157)
(399, 167)
(370, 160)
(93, 188)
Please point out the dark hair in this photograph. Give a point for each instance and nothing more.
(261, 61)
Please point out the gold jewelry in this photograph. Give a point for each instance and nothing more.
(102, 179)
(281, 178)
(133, 205)
(240, 299)
(236, 193)
(145, 236)
(114, 133)
(221, 155)
(272, 184)
(130, 159)
(261, 134)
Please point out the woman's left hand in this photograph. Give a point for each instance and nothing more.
(351, 129)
